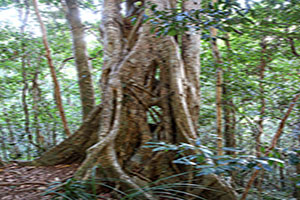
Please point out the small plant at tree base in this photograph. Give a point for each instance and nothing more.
(207, 162)
(71, 189)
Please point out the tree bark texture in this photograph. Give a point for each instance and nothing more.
(81, 58)
(147, 79)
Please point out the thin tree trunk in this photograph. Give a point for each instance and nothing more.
(260, 123)
(15, 152)
(262, 68)
(25, 107)
(57, 93)
(23, 20)
(282, 179)
(3, 145)
(81, 57)
(53, 135)
(219, 85)
(297, 189)
(39, 138)
(228, 108)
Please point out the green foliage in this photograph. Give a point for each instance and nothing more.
(223, 15)
(207, 162)
(24, 70)
(71, 189)
(5, 3)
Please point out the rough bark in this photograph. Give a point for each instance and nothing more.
(145, 75)
(81, 57)
(190, 55)
(142, 76)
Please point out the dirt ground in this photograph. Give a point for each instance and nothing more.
(29, 183)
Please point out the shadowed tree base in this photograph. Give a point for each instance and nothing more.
(72, 149)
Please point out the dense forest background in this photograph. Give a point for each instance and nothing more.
(250, 66)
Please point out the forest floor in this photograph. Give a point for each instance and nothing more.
(29, 182)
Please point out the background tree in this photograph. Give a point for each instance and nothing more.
(57, 92)
(81, 58)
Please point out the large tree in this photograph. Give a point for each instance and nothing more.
(150, 93)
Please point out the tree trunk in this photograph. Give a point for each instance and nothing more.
(36, 96)
(219, 85)
(23, 21)
(144, 76)
(228, 107)
(145, 79)
(57, 92)
(260, 123)
(1, 163)
(81, 58)
(297, 188)
(3, 144)
(25, 107)
(12, 140)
